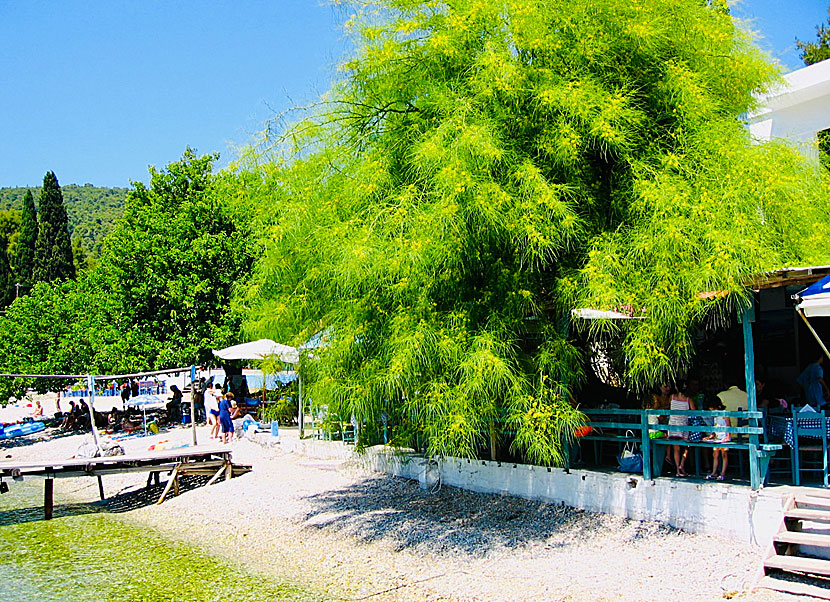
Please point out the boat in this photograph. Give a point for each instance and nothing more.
(17, 430)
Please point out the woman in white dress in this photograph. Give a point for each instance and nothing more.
(212, 410)
(679, 401)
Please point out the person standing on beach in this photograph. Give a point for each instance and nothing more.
(199, 399)
(226, 415)
(212, 399)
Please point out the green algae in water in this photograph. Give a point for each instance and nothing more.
(85, 554)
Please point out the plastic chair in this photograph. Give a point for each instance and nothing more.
(816, 431)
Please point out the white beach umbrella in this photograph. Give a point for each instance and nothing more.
(144, 400)
(259, 350)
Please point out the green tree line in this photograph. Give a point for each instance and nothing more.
(92, 211)
(159, 296)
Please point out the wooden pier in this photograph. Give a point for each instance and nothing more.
(214, 461)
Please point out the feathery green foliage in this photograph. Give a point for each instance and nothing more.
(485, 167)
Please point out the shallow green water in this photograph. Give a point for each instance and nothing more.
(85, 554)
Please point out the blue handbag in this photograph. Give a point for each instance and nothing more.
(630, 460)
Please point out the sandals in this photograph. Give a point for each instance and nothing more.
(715, 477)
(681, 473)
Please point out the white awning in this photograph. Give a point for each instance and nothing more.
(816, 306)
(586, 313)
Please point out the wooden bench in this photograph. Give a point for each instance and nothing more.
(602, 420)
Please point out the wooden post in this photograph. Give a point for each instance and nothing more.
(172, 479)
(193, 402)
(48, 498)
(101, 488)
(747, 318)
(645, 445)
(90, 383)
(301, 412)
(492, 440)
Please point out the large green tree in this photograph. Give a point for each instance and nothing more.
(24, 256)
(53, 248)
(175, 257)
(6, 275)
(483, 168)
(159, 296)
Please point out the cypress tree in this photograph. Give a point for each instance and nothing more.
(6, 276)
(24, 261)
(53, 250)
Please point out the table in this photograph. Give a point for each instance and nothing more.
(779, 426)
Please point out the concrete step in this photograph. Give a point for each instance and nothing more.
(794, 587)
(822, 503)
(798, 564)
(804, 539)
(811, 492)
(805, 514)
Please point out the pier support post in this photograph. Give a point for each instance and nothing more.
(101, 488)
(48, 498)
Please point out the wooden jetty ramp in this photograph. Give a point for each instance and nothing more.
(213, 461)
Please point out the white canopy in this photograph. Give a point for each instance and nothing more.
(815, 307)
(587, 313)
(259, 350)
(814, 301)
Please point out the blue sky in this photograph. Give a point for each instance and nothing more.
(97, 90)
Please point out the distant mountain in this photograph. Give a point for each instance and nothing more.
(92, 210)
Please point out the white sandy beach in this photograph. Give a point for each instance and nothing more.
(332, 527)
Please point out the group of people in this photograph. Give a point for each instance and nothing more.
(220, 411)
(685, 397)
(212, 406)
(688, 396)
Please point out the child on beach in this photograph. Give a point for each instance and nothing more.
(719, 454)
(226, 415)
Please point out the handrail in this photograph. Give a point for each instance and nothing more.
(693, 428)
(728, 413)
(655, 412)
(609, 411)
(643, 428)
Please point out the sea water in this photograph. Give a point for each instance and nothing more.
(88, 554)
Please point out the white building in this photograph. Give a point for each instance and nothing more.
(797, 110)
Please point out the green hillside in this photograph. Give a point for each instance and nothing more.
(92, 210)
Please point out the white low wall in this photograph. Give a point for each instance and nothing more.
(727, 510)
